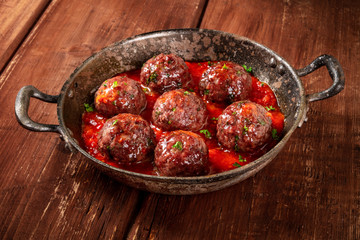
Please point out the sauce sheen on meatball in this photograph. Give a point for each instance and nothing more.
(120, 94)
(127, 138)
(182, 153)
(225, 82)
(179, 109)
(165, 72)
(244, 126)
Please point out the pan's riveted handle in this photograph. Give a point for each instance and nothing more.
(336, 73)
(22, 106)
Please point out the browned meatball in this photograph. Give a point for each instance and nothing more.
(244, 126)
(120, 95)
(225, 82)
(179, 109)
(127, 138)
(182, 153)
(165, 72)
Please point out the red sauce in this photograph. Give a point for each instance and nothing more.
(220, 159)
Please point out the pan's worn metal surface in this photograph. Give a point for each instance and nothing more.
(192, 45)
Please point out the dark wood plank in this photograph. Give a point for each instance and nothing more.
(311, 190)
(16, 18)
(45, 191)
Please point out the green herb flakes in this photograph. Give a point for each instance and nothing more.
(152, 78)
(248, 69)
(246, 129)
(178, 145)
(241, 159)
(270, 108)
(261, 121)
(115, 121)
(88, 108)
(274, 134)
(236, 164)
(206, 133)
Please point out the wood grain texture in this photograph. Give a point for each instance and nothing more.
(311, 190)
(45, 191)
(16, 18)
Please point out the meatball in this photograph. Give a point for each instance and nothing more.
(120, 94)
(165, 72)
(182, 153)
(179, 109)
(244, 126)
(225, 82)
(127, 139)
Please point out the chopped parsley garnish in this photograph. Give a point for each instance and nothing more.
(152, 78)
(206, 133)
(261, 121)
(214, 119)
(206, 91)
(186, 93)
(115, 84)
(132, 96)
(245, 129)
(274, 134)
(174, 109)
(115, 121)
(178, 145)
(234, 113)
(248, 69)
(225, 67)
(236, 164)
(169, 122)
(270, 108)
(210, 63)
(88, 108)
(236, 147)
(262, 84)
(241, 159)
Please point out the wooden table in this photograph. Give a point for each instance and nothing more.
(310, 191)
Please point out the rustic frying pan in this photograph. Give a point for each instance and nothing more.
(192, 45)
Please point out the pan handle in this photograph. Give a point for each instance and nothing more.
(336, 74)
(22, 106)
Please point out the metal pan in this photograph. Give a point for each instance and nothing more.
(192, 45)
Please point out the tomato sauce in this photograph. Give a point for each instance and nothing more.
(221, 159)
